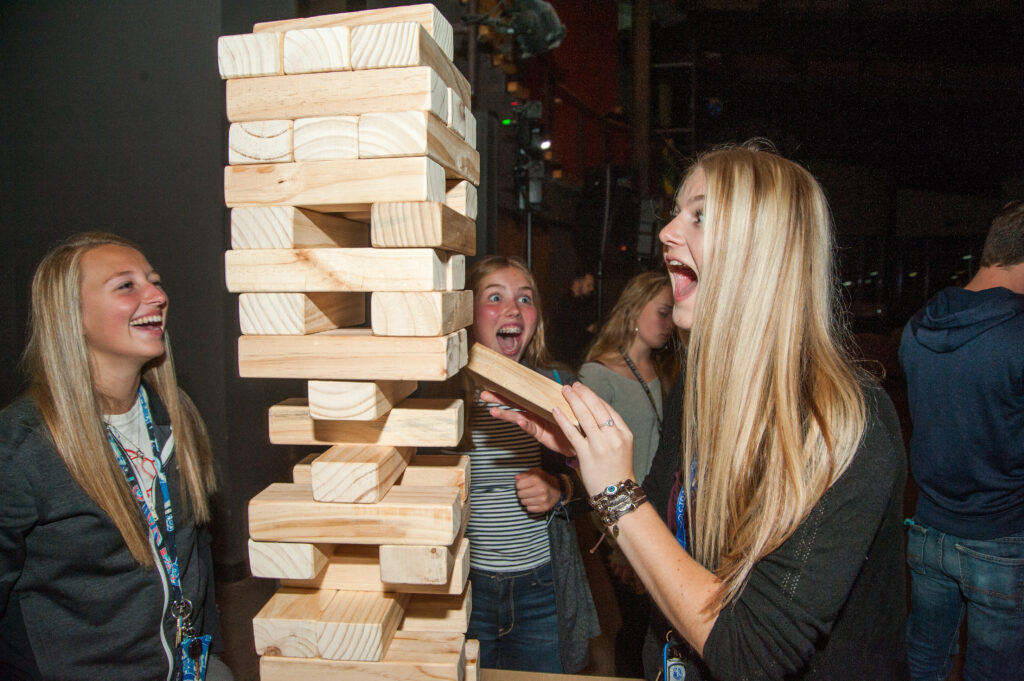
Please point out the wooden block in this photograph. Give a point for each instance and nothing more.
(357, 473)
(352, 354)
(326, 137)
(455, 276)
(470, 135)
(519, 384)
(398, 44)
(425, 470)
(426, 564)
(420, 313)
(291, 227)
(412, 656)
(428, 612)
(417, 133)
(358, 568)
(334, 185)
(246, 55)
(406, 515)
(336, 93)
(428, 16)
(271, 270)
(472, 660)
(418, 422)
(355, 400)
(457, 115)
(422, 224)
(461, 197)
(359, 625)
(286, 625)
(445, 470)
(279, 560)
(299, 313)
(313, 50)
(260, 142)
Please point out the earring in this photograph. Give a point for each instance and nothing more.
(636, 329)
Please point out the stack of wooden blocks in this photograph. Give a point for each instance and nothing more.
(352, 183)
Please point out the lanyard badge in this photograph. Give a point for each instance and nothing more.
(192, 650)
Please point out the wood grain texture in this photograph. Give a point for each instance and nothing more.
(248, 55)
(280, 560)
(423, 564)
(352, 355)
(398, 44)
(456, 119)
(286, 624)
(355, 400)
(406, 515)
(326, 138)
(420, 313)
(470, 134)
(330, 186)
(425, 470)
(446, 470)
(427, 612)
(336, 93)
(357, 473)
(417, 423)
(461, 197)
(260, 142)
(520, 384)
(423, 224)
(299, 313)
(472, 672)
(358, 568)
(359, 625)
(418, 133)
(314, 50)
(412, 656)
(337, 269)
(426, 15)
(291, 227)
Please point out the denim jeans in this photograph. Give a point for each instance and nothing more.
(515, 620)
(952, 577)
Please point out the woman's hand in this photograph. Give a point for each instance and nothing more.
(545, 432)
(538, 490)
(603, 443)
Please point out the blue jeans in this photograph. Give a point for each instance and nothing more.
(951, 577)
(515, 620)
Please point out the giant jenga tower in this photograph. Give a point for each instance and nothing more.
(353, 172)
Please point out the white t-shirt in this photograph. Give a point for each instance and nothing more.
(130, 430)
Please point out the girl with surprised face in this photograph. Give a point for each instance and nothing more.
(532, 607)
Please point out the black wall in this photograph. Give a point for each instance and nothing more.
(113, 119)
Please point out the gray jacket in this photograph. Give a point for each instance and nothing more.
(74, 604)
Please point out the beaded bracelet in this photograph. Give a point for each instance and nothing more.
(615, 501)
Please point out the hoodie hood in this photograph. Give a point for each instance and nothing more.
(956, 316)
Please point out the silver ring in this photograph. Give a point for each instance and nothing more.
(606, 424)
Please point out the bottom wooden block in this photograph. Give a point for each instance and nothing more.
(412, 656)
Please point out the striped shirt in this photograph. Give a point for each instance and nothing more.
(503, 536)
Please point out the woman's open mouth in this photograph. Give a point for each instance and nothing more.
(684, 279)
(508, 339)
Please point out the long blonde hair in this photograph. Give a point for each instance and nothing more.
(61, 384)
(774, 409)
(619, 330)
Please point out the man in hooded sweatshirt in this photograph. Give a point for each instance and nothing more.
(963, 354)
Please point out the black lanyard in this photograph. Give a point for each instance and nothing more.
(643, 383)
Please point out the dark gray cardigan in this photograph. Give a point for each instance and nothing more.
(74, 604)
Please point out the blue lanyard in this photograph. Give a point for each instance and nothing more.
(681, 504)
(181, 607)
